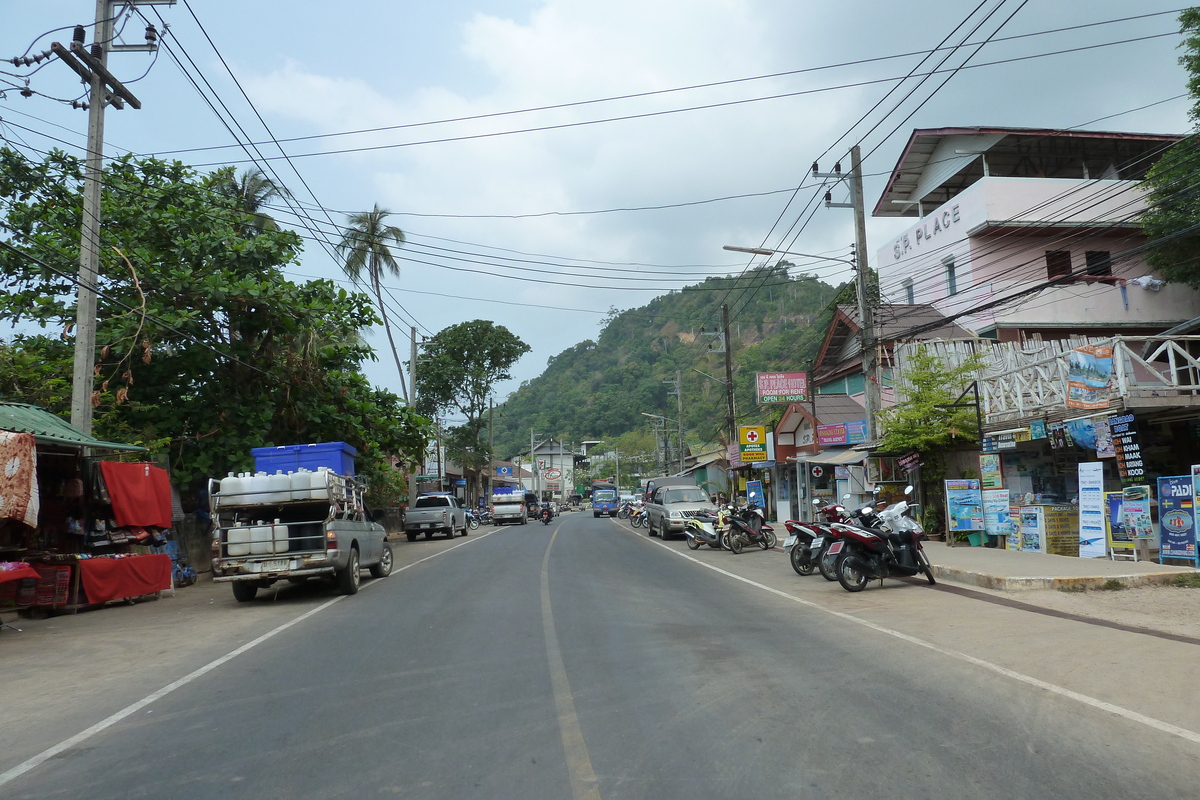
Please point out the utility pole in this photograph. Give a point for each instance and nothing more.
(491, 467)
(731, 419)
(866, 311)
(92, 67)
(679, 413)
(412, 393)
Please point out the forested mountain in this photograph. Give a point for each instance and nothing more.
(599, 389)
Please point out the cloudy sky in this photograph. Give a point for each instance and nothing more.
(550, 159)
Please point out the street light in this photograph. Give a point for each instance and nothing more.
(762, 251)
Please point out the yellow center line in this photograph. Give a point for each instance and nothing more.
(584, 785)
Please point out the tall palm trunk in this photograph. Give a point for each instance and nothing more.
(387, 327)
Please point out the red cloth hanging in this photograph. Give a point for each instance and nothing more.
(140, 494)
(107, 579)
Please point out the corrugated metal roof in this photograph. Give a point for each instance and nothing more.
(51, 429)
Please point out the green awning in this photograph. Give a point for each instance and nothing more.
(51, 429)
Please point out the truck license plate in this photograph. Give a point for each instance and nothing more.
(278, 565)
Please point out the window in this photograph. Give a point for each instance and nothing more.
(951, 279)
(1099, 262)
(1058, 263)
(908, 291)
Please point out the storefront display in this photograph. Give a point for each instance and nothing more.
(1176, 519)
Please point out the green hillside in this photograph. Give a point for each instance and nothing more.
(599, 389)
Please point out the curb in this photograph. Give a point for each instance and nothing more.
(1015, 583)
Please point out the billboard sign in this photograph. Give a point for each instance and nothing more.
(782, 387)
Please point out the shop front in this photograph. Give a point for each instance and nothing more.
(89, 530)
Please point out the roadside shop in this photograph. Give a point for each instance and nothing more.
(77, 530)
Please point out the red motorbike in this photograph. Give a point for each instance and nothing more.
(887, 546)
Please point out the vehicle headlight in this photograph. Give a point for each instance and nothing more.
(676, 515)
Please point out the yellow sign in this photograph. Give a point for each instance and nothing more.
(753, 442)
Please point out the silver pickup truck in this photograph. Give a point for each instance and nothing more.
(435, 513)
(264, 537)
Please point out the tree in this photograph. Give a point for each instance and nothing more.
(922, 421)
(202, 342)
(366, 249)
(1172, 221)
(251, 191)
(459, 366)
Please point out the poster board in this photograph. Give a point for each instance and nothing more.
(964, 505)
(997, 520)
(991, 475)
(1177, 519)
(1119, 538)
(1093, 539)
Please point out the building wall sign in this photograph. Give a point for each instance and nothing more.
(753, 442)
(842, 433)
(927, 231)
(782, 387)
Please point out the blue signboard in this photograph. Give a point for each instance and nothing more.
(754, 493)
(504, 472)
(1176, 518)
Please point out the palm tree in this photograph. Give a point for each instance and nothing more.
(252, 190)
(365, 248)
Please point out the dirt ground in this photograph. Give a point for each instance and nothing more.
(1162, 608)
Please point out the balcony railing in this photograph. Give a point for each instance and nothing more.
(1031, 379)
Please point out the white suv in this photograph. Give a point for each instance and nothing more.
(673, 502)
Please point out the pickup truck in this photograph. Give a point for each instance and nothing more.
(509, 508)
(673, 501)
(263, 537)
(435, 513)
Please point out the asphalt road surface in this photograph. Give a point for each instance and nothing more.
(585, 660)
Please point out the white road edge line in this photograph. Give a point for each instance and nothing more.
(1120, 711)
(35, 761)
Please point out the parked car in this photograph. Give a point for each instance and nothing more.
(673, 502)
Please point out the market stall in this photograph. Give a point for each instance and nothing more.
(76, 530)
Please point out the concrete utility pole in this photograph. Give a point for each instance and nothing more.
(866, 311)
(412, 393)
(92, 68)
(731, 419)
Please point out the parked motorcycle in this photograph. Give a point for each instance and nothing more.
(472, 520)
(890, 547)
(747, 527)
(705, 529)
(637, 517)
(625, 510)
(799, 545)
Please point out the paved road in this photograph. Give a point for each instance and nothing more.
(584, 660)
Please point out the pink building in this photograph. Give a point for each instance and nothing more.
(1019, 233)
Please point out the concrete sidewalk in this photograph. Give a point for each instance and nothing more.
(1016, 570)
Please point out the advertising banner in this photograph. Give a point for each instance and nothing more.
(754, 493)
(964, 505)
(842, 433)
(990, 475)
(1119, 538)
(1176, 518)
(782, 387)
(1092, 537)
(1127, 448)
(997, 520)
(1135, 512)
(1089, 368)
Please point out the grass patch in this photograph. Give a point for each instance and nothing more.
(1190, 580)
(1074, 588)
(1112, 585)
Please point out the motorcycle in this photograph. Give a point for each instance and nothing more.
(889, 547)
(637, 517)
(706, 529)
(747, 527)
(803, 545)
(545, 516)
(624, 511)
(472, 520)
